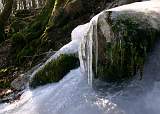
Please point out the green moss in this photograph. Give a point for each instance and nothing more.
(18, 42)
(18, 38)
(42, 19)
(54, 70)
(58, 16)
(31, 33)
(27, 51)
(4, 83)
(126, 55)
(21, 53)
(18, 25)
(6, 77)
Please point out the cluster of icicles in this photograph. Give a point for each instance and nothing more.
(86, 50)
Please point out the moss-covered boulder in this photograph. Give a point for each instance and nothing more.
(122, 38)
(54, 70)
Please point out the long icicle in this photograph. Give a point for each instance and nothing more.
(92, 38)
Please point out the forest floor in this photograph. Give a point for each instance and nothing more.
(8, 72)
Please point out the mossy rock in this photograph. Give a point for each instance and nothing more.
(125, 56)
(125, 37)
(55, 70)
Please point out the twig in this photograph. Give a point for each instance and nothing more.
(39, 54)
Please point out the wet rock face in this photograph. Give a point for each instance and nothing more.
(123, 36)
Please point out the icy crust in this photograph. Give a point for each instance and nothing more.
(146, 6)
(72, 95)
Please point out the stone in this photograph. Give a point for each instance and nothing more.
(119, 40)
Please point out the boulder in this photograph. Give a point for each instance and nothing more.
(119, 40)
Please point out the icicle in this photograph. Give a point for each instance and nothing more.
(90, 57)
(93, 46)
(89, 45)
(96, 45)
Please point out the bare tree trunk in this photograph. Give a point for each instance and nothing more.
(4, 18)
(40, 2)
(24, 4)
(29, 4)
(3, 2)
(15, 5)
(34, 4)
